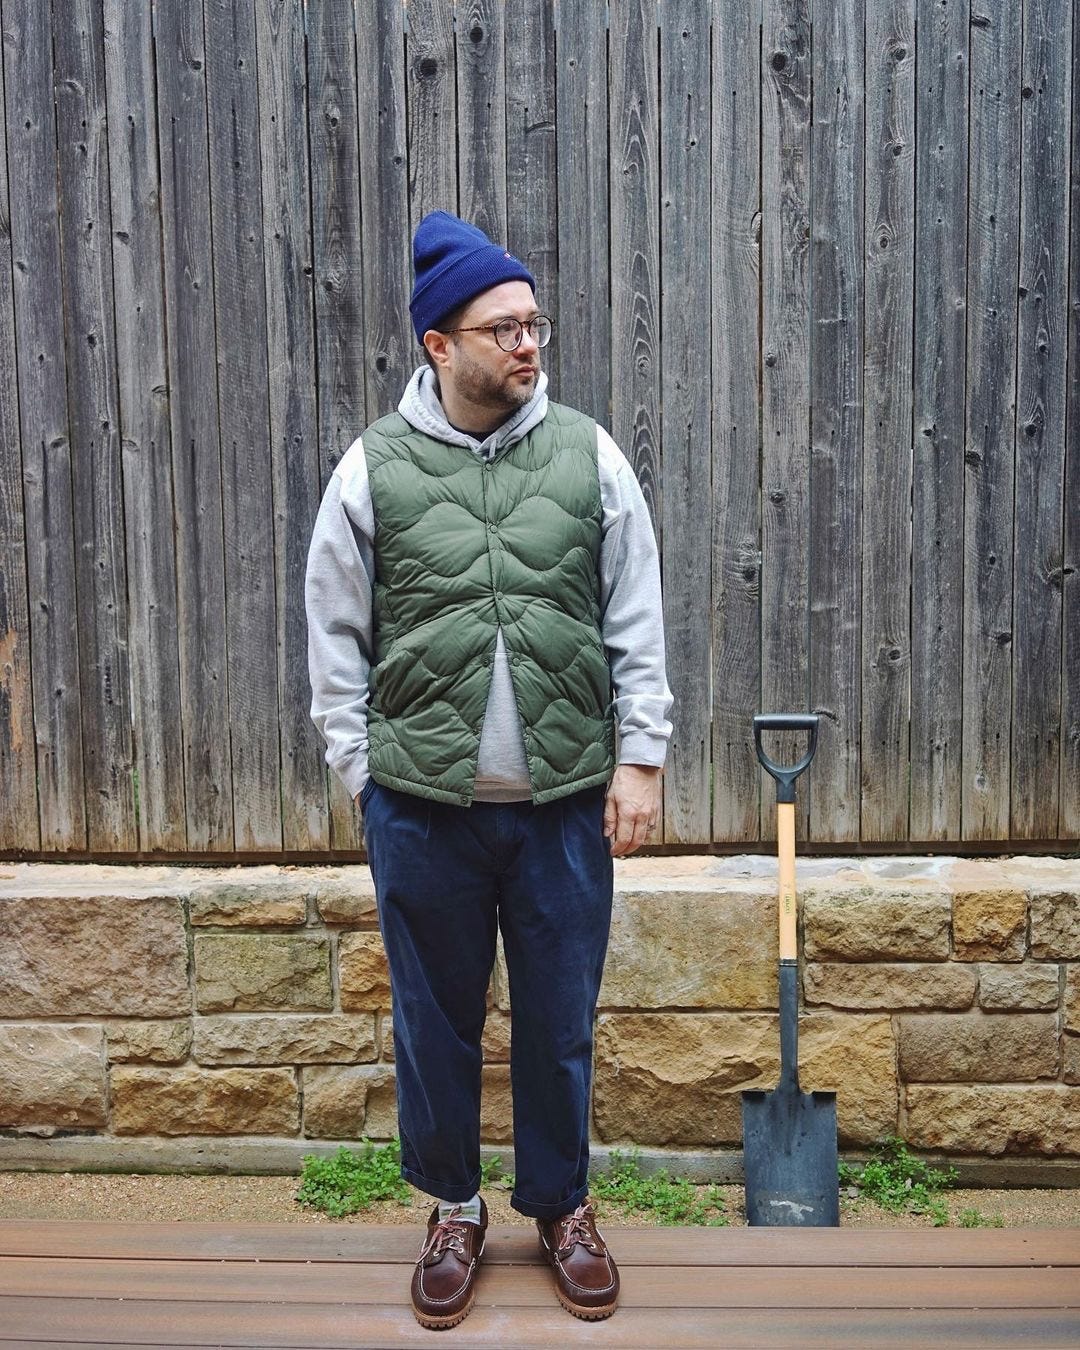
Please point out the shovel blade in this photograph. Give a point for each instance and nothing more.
(790, 1158)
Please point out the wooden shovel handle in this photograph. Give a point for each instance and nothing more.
(789, 908)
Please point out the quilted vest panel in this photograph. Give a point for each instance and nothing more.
(462, 547)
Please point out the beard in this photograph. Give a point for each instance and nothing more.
(486, 388)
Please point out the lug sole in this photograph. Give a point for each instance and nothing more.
(441, 1323)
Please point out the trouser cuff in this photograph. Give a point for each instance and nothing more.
(532, 1210)
(446, 1191)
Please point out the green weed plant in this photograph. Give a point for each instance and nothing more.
(667, 1200)
(492, 1174)
(351, 1180)
(901, 1183)
(973, 1218)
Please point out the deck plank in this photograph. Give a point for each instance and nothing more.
(661, 1286)
(165, 1324)
(185, 1240)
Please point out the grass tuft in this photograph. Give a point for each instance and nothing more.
(900, 1182)
(668, 1200)
(351, 1180)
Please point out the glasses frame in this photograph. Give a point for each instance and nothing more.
(509, 318)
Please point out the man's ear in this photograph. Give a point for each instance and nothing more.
(437, 346)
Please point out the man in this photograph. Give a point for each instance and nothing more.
(482, 573)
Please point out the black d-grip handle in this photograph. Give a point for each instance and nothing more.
(785, 778)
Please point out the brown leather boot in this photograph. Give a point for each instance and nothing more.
(586, 1278)
(443, 1283)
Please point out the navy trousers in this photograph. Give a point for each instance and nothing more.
(446, 879)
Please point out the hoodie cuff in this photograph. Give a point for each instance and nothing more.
(641, 747)
(354, 774)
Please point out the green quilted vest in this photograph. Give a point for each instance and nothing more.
(462, 547)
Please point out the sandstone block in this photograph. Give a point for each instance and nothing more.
(1072, 998)
(363, 972)
(291, 1038)
(943, 985)
(1071, 1058)
(259, 972)
(990, 925)
(249, 904)
(1055, 923)
(1042, 1118)
(691, 949)
(345, 895)
(52, 1076)
(1030, 986)
(670, 1078)
(349, 1103)
(978, 1048)
(496, 1042)
(873, 923)
(156, 1042)
(386, 1038)
(853, 1055)
(82, 955)
(203, 1101)
(496, 1105)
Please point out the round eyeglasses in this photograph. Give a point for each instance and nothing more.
(508, 331)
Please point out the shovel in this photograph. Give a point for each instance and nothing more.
(789, 1137)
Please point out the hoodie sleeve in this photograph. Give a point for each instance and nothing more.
(632, 616)
(338, 600)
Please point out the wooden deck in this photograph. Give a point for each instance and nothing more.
(68, 1284)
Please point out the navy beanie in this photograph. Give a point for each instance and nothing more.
(454, 261)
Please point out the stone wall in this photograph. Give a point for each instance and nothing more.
(146, 1012)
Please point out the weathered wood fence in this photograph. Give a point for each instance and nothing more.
(808, 259)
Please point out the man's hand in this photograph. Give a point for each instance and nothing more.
(632, 807)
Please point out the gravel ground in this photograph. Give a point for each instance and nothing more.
(262, 1199)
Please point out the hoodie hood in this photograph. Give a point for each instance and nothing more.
(421, 408)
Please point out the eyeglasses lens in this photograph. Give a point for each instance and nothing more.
(508, 333)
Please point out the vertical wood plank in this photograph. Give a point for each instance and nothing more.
(937, 557)
(19, 827)
(244, 416)
(1041, 333)
(635, 253)
(1069, 817)
(836, 424)
(686, 423)
(294, 440)
(432, 108)
(785, 336)
(531, 181)
(887, 448)
(43, 419)
(583, 339)
(736, 417)
(193, 408)
(144, 425)
(390, 354)
(993, 187)
(339, 289)
(94, 425)
(481, 115)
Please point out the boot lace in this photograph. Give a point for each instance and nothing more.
(447, 1235)
(576, 1227)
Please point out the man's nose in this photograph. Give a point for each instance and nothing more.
(528, 343)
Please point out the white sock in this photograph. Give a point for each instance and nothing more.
(469, 1211)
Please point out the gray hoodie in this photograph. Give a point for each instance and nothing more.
(338, 595)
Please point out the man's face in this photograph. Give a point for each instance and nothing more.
(476, 366)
